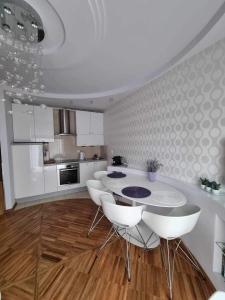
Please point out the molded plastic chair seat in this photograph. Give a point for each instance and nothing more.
(128, 216)
(121, 217)
(218, 296)
(170, 224)
(95, 189)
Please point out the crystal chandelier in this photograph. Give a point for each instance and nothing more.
(21, 31)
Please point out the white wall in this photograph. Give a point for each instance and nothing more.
(6, 139)
(178, 118)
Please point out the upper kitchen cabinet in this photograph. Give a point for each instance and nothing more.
(83, 122)
(96, 123)
(44, 124)
(89, 128)
(32, 123)
(23, 123)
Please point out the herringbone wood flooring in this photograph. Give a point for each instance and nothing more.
(45, 254)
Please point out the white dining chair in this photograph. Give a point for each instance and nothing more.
(170, 225)
(99, 174)
(95, 189)
(218, 296)
(123, 218)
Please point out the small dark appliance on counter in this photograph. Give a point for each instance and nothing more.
(119, 161)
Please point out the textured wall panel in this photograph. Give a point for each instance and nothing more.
(178, 118)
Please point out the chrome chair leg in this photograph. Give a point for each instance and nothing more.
(126, 253)
(94, 222)
(168, 261)
(142, 239)
(109, 236)
(128, 259)
(188, 257)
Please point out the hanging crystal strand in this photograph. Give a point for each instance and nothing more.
(20, 67)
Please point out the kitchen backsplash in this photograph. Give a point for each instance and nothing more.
(65, 147)
(178, 118)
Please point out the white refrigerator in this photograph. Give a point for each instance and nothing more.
(28, 170)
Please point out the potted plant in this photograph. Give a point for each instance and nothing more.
(153, 165)
(204, 182)
(209, 186)
(215, 187)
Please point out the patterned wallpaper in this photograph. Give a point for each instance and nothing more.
(178, 118)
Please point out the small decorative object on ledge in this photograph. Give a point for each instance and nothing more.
(153, 165)
(210, 186)
(215, 187)
(204, 182)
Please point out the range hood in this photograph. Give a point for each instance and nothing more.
(64, 122)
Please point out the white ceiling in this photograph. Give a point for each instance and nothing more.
(97, 49)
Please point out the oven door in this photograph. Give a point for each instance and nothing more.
(68, 176)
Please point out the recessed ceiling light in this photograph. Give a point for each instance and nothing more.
(20, 25)
(27, 21)
(6, 27)
(34, 25)
(7, 10)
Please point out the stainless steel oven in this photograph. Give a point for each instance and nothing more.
(68, 173)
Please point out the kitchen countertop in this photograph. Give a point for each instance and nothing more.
(50, 163)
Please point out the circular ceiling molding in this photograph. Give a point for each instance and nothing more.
(100, 48)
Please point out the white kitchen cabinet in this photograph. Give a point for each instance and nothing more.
(28, 170)
(89, 128)
(86, 172)
(99, 139)
(44, 124)
(84, 140)
(32, 123)
(23, 123)
(83, 119)
(96, 123)
(50, 179)
(100, 165)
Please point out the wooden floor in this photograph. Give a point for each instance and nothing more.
(45, 254)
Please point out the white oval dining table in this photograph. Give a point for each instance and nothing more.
(162, 196)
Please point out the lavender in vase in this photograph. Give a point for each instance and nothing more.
(153, 165)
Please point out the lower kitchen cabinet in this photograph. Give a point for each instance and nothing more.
(86, 172)
(51, 179)
(100, 165)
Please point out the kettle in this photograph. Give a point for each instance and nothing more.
(82, 155)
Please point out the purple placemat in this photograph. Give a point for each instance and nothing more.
(136, 192)
(116, 175)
